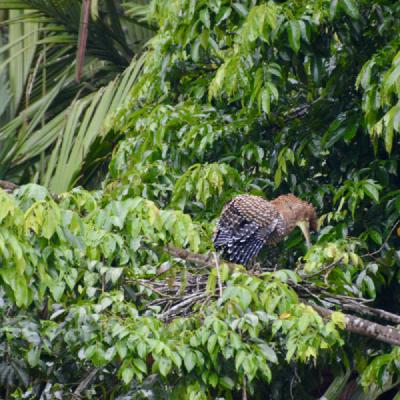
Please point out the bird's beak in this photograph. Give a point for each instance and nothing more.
(305, 229)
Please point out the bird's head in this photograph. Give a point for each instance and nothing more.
(307, 222)
(297, 213)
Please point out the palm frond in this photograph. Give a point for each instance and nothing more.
(45, 114)
(84, 122)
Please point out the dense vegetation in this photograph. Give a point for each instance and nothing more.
(97, 297)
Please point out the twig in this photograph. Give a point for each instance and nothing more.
(218, 273)
(304, 288)
(31, 79)
(384, 243)
(344, 297)
(140, 282)
(199, 259)
(82, 39)
(85, 382)
(244, 389)
(182, 304)
(327, 268)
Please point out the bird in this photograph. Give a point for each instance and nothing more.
(249, 222)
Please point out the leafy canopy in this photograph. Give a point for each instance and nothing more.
(251, 96)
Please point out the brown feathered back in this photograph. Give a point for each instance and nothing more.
(249, 222)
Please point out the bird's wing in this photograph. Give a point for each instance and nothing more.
(255, 208)
(245, 225)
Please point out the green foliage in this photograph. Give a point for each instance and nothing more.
(379, 79)
(37, 60)
(338, 265)
(78, 258)
(382, 369)
(203, 182)
(259, 97)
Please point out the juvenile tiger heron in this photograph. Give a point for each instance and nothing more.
(247, 223)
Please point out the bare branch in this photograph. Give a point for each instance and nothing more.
(218, 273)
(86, 381)
(384, 242)
(185, 304)
(325, 269)
(244, 389)
(82, 40)
(195, 258)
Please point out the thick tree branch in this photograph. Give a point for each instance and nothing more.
(372, 312)
(195, 258)
(8, 186)
(345, 302)
(360, 326)
(364, 327)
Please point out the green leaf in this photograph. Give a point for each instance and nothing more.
(227, 382)
(213, 380)
(21, 291)
(240, 9)
(127, 374)
(333, 9)
(165, 366)
(266, 100)
(33, 356)
(372, 191)
(51, 221)
(195, 50)
(375, 236)
(351, 8)
(212, 341)
(176, 359)
(6, 205)
(339, 319)
(121, 348)
(268, 352)
(294, 34)
(140, 365)
(57, 289)
(240, 356)
(278, 177)
(364, 77)
(205, 17)
(189, 360)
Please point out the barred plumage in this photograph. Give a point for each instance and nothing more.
(249, 222)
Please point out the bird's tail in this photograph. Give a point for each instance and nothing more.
(241, 252)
